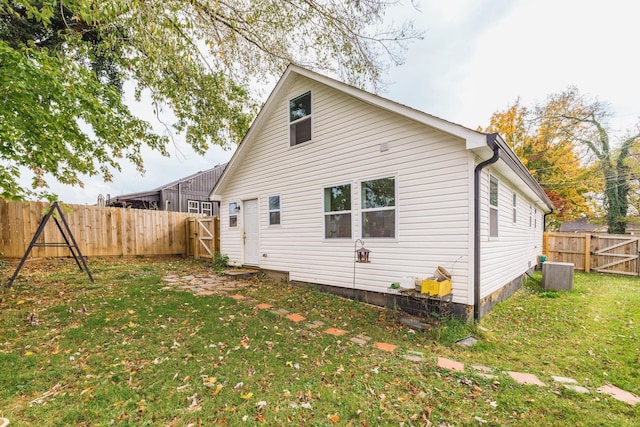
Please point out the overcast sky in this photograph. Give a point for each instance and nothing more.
(477, 57)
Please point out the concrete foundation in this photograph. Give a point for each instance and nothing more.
(404, 302)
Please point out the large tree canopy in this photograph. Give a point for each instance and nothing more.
(550, 158)
(63, 65)
(569, 146)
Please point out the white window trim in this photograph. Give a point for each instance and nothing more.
(324, 214)
(193, 204)
(269, 210)
(231, 214)
(206, 207)
(395, 207)
(307, 117)
(514, 218)
(495, 208)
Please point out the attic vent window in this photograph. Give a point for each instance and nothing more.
(300, 119)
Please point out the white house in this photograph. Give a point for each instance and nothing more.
(325, 166)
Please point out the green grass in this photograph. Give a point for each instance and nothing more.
(143, 355)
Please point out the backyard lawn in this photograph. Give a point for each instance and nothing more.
(133, 349)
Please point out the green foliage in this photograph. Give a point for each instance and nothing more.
(62, 67)
(220, 261)
(568, 144)
(551, 157)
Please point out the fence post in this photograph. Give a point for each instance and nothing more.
(587, 252)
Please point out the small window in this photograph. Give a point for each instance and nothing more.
(530, 216)
(300, 119)
(379, 208)
(515, 208)
(337, 212)
(233, 214)
(206, 208)
(193, 206)
(535, 219)
(493, 206)
(274, 210)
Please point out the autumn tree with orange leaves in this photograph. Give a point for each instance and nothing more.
(551, 159)
(569, 145)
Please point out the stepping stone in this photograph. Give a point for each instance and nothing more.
(335, 331)
(413, 356)
(577, 388)
(526, 379)
(467, 342)
(263, 306)
(358, 341)
(564, 380)
(413, 323)
(451, 365)
(315, 325)
(280, 312)
(295, 317)
(484, 372)
(385, 346)
(237, 297)
(619, 394)
(205, 292)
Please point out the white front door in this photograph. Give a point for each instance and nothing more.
(251, 226)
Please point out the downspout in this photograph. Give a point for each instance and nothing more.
(476, 217)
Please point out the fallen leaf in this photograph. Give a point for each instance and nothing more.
(246, 396)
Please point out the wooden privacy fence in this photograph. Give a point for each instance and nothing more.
(203, 234)
(603, 253)
(98, 231)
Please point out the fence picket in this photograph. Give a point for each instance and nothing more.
(99, 231)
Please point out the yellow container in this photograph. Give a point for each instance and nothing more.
(435, 288)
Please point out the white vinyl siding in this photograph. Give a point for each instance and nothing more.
(519, 245)
(433, 180)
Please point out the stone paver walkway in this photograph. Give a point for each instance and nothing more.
(204, 285)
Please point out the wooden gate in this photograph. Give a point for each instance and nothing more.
(614, 254)
(203, 234)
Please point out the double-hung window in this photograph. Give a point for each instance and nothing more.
(378, 204)
(493, 206)
(206, 208)
(274, 210)
(515, 207)
(337, 212)
(233, 214)
(300, 119)
(193, 206)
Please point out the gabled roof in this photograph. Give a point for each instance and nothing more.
(474, 140)
(165, 186)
